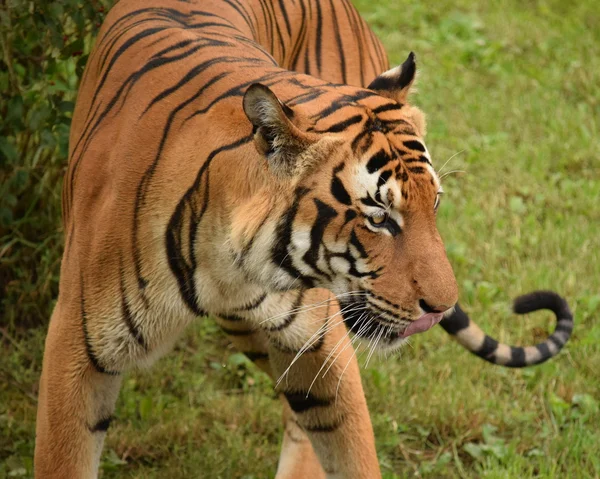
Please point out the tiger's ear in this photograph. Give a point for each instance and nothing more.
(396, 83)
(275, 135)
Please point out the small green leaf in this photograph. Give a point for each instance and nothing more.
(586, 402)
(238, 359)
(145, 408)
(474, 450)
(517, 205)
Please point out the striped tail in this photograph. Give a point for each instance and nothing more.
(469, 335)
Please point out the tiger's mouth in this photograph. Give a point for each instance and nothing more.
(424, 323)
(369, 322)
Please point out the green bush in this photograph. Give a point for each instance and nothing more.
(44, 48)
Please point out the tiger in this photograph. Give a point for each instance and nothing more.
(257, 161)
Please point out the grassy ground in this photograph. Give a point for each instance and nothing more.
(512, 89)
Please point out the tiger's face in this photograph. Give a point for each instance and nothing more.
(362, 219)
(382, 248)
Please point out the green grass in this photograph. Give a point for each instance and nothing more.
(512, 89)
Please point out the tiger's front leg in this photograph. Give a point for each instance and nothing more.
(297, 459)
(316, 369)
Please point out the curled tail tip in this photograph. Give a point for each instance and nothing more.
(475, 340)
(537, 300)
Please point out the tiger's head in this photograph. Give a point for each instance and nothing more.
(362, 199)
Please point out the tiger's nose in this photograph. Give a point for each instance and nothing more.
(432, 309)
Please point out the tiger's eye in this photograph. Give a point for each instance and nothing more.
(378, 220)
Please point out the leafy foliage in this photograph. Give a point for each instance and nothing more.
(44, 48)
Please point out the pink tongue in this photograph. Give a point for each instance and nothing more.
(425, 322)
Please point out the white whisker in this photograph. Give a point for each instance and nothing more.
(374, 346)
(450, 172)
(444, 165)
(324, 329)
(344, 370)
(356, 337)
(308, 307)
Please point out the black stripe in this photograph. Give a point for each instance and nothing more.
(122, 49)
(564, 327)
(323, 428)
(290, 317)
(300, 401)
(392, 316)
(256, 355)
(386, 107)
(256, 21)
(364, 134)
(383, 300)
(102, 425)
(343, 101)
(342, 125)
(368, 201)
(212, 24)
(363, 29)
(127, 315)
(314, 347)
(349, 215)
(306, 97)
(414, 145)
(325, 214)
(88, 347)
(417, 169)
(340, 45)
(517, 357)
(544, 351)
(237, 332)
(381, 55)
(172, 48)
(420, 159)
(384, 177)
(319, 36)
(354, 241)
(231, 317)
(488, 347)
(378, 161)
(255, 304)
(248, 246)
(279, 253)
(339, 192)
(557, 342)
(267, 24)
(378, 196)
(243, 14)
(274, 17)
(357, 40)
(285, 17)
(295, 58)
